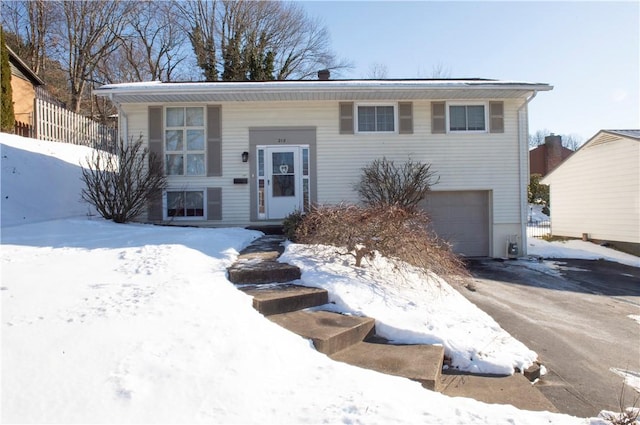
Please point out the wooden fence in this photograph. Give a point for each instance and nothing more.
(23, 129)
(57, 124)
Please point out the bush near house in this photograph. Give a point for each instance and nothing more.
(384, 183)
(120, 186)
(538, 193)
(392, 231)
(389, 222)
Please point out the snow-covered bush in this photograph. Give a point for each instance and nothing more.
(394, 232)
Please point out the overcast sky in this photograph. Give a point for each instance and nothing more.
(588, 51)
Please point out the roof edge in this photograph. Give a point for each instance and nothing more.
(302, 85)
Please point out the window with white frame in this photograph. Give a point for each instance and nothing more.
(184, 141)
(185, 203)
(376, 118)
(467, 117)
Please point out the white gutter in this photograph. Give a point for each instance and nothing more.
(312, 85)
(523, 185)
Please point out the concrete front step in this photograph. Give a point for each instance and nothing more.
(330, 332)
(422, 363)
(516, 390)
(258, 271)
(285, 298)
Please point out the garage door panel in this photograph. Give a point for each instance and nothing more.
(462, 218)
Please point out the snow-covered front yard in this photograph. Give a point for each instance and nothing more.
(139, 324)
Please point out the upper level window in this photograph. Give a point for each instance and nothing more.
(467, 118)
(376, 118)
(185, 141)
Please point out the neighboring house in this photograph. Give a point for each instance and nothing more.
(23, 85)
(548, 156)
(250, 153)
(595, 193)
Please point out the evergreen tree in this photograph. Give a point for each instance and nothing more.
(7, 117)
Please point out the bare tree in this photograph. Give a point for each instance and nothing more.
(377, 71)
(200, 24)
(30, 21)
(150, 45)
(440, 71)
(257, 40)
(87, 33)
(569, 141)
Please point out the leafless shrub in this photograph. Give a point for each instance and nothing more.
(394, 232)
(384, 183)
(119, 186)
(627, 415)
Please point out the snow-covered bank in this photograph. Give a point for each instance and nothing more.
(412, 308)
(138, 324)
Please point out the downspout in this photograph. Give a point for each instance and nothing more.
(123, 121)
(523, 185)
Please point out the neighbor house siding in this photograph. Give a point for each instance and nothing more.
(24, 95)
(597, 192)
(462, 161)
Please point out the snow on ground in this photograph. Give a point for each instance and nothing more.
(536, 215)
(412, 308)
(136, 323)
(578, 249)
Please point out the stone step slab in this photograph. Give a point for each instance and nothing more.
(330, 332)
(257, 271)
(515, 390)
(285, 298)
(422, 363)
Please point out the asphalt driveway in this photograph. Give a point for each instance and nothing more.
(576, 315)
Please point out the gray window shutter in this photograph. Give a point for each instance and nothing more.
(438, 117)
(154, 212)
(155, 131)
(214, 141)
(405, 117)
(496, 117)
(214, 203)
(346, 117)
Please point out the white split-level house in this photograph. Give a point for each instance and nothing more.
(250, 153)
(595, 193)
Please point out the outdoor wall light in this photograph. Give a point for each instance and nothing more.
(245, 156)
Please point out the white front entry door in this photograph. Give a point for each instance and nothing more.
(284, 181)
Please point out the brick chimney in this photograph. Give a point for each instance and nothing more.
(324, 74)
(553, 147)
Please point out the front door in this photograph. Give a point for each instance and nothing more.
(284, 181)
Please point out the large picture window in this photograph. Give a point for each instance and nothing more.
(376, 118)
(189, 203)
(467, 118)
(185, 141)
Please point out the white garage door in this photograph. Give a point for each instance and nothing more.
(462, 218)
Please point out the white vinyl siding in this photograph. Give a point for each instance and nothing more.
(597, 191)
(467, 161)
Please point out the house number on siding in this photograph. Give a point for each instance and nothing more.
(282, 140)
